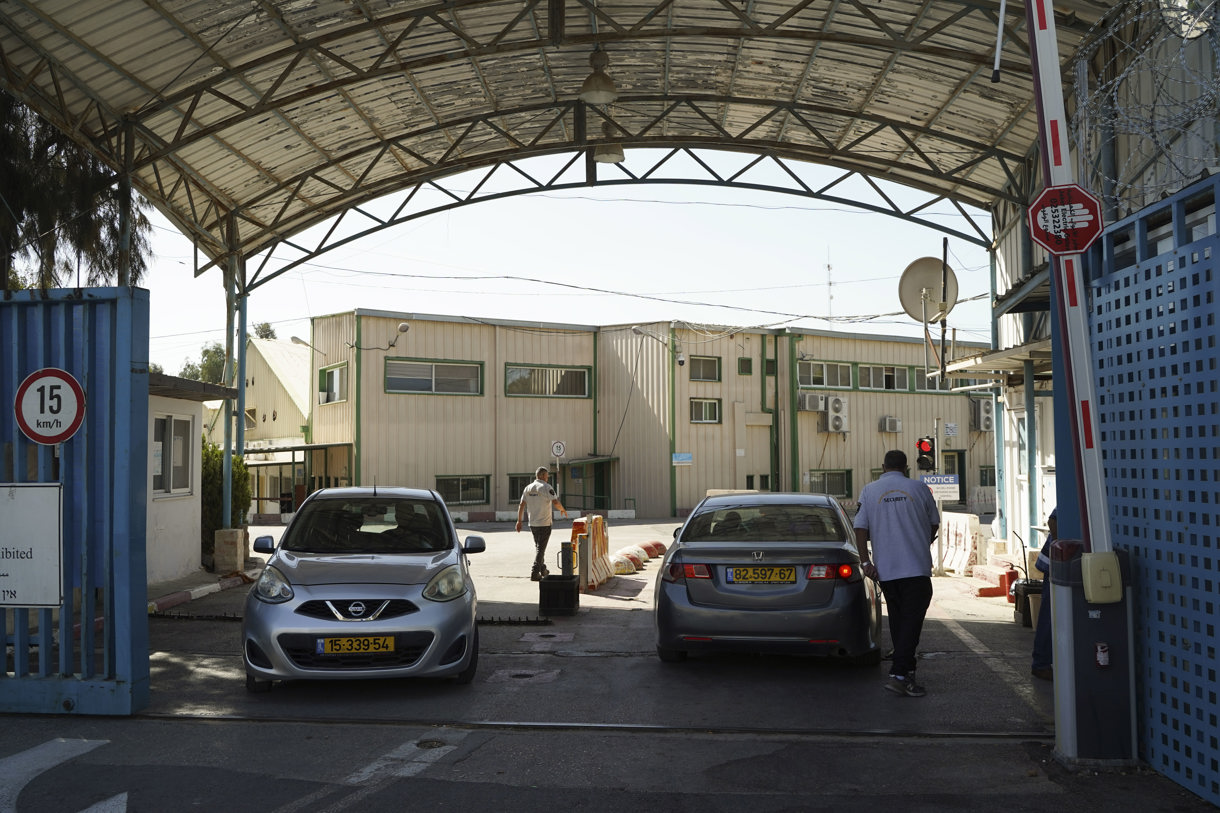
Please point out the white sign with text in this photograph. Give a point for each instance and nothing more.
(31, 549)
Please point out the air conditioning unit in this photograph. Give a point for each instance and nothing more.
(890, 424)
(810, 402)
(836, 414)
(982, 414)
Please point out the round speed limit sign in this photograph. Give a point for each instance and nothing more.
(558, 448)
(50, 406)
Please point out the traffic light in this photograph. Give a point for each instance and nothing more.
(925, 454)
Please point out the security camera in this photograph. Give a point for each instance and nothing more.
(681, 360)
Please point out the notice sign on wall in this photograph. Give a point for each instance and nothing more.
(31, 547)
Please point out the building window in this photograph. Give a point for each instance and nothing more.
(173, 450)
(764, 482)
(439, 377)
(929, 383)
(832, 482)
(332, 384)
(883, 378)
(745, 366)
(823, 374)
(546, 382)
(516, 485)
(705, 410)
(987, 476)
(768, 366)
(704, 368)
(875, 474)
(464, 489)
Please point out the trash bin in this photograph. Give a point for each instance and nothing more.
(1022, 589)
(558, 595)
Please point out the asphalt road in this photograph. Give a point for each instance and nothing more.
(576, 713)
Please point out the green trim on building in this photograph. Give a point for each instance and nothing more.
(357, 472)
(793, 434)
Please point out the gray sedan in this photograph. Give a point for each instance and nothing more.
(773, 573)
(366, 583)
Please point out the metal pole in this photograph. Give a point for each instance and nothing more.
(939, 570)
(1070, 301)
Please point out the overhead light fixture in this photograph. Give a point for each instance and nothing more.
(610, 153)
(403, 327)
(598, 87)
(303, 343)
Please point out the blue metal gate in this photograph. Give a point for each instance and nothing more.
(89, 655)
(1155, 357)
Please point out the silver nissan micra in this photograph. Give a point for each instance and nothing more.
(365, 583)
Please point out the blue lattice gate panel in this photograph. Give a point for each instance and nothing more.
(89, 655)
(1155, 340)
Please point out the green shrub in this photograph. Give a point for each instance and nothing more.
(213, 495)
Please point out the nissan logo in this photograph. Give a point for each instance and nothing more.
(356, 608)
(758, 555)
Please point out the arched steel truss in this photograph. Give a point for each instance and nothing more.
(578, 171)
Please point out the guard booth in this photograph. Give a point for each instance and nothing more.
(73, 488)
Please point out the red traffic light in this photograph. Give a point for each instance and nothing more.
(924, 446)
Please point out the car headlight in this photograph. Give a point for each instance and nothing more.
(272, 587)
(446, 585)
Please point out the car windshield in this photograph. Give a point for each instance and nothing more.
(766, 523)
(369, 525)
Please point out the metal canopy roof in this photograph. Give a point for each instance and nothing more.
(248, 122)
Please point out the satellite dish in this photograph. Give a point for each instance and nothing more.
(925, 275)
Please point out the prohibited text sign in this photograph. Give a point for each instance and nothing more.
(50, 406)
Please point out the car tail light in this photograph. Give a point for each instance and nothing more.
(677, 572)
(847, 572)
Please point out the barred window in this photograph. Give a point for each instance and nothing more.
(704, 368)
(705, 410)
(836, 483)
(546, 382)
(332, 384)
(876, 377)
(450, 378)
(823, 374)
(464, 489)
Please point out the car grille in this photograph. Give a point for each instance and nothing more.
(301, 648)
(373, 609)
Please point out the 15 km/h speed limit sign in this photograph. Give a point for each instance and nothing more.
(50, 406)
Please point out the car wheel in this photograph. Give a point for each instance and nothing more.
(256, 686)
(465, 676)
(668, 655)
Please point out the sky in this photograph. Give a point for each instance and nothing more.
(598, 256)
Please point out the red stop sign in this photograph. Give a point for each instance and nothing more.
(1065, 219)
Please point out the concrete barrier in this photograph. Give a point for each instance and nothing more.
(964, 542)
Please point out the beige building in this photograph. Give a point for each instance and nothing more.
(642, 418)
(277, 383)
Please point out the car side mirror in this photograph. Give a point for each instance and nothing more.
(264, 544)
(474, 544)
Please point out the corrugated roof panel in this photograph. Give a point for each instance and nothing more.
(279, 91)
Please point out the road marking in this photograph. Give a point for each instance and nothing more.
(408, 759)
(17, 771)
(115, 804)
(996, 664)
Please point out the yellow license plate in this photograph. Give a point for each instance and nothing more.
(761, 575)
(346, 646)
